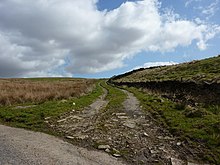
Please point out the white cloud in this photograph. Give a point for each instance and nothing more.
(189, 2)
(64, 37)
(151, 64)
(210, 10)
(207, 10)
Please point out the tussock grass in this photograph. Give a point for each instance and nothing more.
(33, 117)
(20, 91)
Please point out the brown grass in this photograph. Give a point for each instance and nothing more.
(16, 91)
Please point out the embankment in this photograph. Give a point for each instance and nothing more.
(187, 92)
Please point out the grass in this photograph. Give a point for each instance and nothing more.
(115, 97)
(192, 114)
(198, 71)
(38, 90)
(33, 117)
(200, 126)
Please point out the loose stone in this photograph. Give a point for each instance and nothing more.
(175, 161)
(122, 117)
(69, 137)
(47, 118)
(116, 155)
(108, 150)
(103, 147)
(61, 120)
(178, 143)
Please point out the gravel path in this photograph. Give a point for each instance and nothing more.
(19, 146)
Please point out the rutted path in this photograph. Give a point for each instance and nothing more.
(125, 132)
(97, 105)
(76, 124)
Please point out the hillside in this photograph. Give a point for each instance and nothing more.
(184, 98)
(190, 83)
(207, 70)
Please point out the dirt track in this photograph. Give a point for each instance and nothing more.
(18, 146)
(128, 132)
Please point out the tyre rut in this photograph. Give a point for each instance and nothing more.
(124, 132)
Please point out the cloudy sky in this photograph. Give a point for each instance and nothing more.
(101, 38)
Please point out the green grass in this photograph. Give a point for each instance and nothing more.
(115, 97)
(200, 126)
(33, 118)
(198, 71)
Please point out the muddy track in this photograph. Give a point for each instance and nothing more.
(127, 133)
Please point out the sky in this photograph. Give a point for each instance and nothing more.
(102, 38)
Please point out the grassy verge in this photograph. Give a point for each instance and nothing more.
(115, 97)
(200, 126)
(33, 117)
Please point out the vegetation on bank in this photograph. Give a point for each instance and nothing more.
(199, 126)
(207, 70)
(32, 115)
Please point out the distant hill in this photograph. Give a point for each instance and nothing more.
(207, 70)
